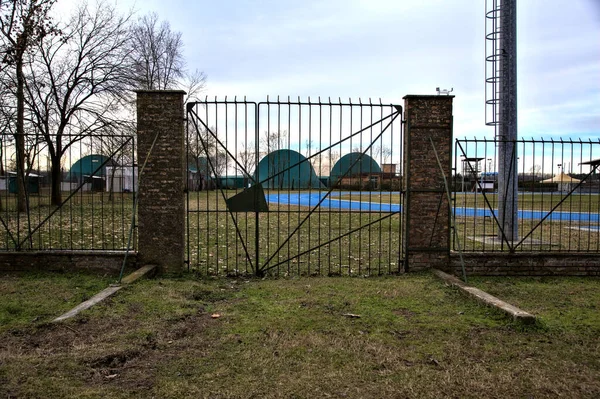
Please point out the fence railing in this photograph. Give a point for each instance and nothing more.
(558, 203)
(74, 193)
(294, 187)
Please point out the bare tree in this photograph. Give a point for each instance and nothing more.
(333, 157)
(206, 155)
(193, 83)
(77, 85)
(157, 58)
(382, 152)
(23, 25)
(269, 142)
(309, 144)
(272, 141)
(156, 54)
(247, 159)
(7, 115)
(535, 169)
(7, 119)
(316, 161)
(386, 154)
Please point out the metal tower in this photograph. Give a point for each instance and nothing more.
(501, 105)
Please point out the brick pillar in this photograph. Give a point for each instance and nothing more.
(161, 206)
(426, 216)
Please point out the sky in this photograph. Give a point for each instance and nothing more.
(390, 48)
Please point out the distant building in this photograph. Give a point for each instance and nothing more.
(359, 171)
(32, 182)
(122, 179)
(286, 169)
(88, 173)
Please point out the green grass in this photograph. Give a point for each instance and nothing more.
(536, 201)
(415, 338)
(575, 301)
(86, 221)
(292, 240)
(35, 298)
(557, 236)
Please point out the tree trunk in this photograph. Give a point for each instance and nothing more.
(2, 173)
(112, 182)
(20, 139)
(56, 195)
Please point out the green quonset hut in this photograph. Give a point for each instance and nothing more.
(355, 164)
(287, 169)
(200, 166)
(90, 164)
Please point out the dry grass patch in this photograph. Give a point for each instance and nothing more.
(414, 338)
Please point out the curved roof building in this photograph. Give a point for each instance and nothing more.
(201, 166)
(90, 164)
(286, 169)
(355, 164)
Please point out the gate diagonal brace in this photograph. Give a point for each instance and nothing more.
(250, 200)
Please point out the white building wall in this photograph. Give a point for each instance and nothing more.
(125, 178)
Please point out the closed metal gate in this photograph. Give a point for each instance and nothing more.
(294, 187)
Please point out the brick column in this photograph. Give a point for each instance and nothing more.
(426, 214)
(161, 206)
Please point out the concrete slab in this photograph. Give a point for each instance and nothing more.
(144, 271)
(490, 300)
(147, 270)
(105, 293)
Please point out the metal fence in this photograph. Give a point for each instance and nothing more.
(291, 187)
(558, 202)
(73, 193)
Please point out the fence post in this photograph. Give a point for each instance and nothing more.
(426, 215)
(161, 206)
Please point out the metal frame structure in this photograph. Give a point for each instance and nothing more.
(552, 218)
(501, 104)
(347, 226)
(85, 220)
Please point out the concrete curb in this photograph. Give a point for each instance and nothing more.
(490, 300)
(147, 270)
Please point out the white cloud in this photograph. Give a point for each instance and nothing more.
(390, 48)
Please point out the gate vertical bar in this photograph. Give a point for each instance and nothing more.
(427, 243)
(257, 261)
(161, 212)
